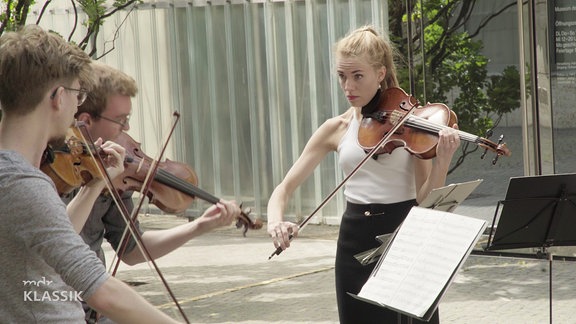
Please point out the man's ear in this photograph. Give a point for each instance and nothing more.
(56, 97)
(84, 117)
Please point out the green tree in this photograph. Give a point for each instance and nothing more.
(449, 67)
(14, 14)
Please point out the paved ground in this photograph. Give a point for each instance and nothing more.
(223, 277)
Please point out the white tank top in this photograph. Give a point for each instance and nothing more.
(390, 179)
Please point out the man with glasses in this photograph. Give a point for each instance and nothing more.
(46, 267)
(81, 94)
(106, 114)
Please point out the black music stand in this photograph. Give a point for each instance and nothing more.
(538, 212)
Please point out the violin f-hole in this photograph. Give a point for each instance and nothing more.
(405, 105)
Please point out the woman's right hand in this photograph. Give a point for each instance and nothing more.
(282, 233)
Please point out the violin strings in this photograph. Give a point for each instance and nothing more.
(170, 179)
(425, 124)
(436, 128)
(165, 176)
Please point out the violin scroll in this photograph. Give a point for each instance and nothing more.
(500, 148)
(246, 222)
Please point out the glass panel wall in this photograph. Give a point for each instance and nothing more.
(562, 53)
(252, 80)
(259, 81)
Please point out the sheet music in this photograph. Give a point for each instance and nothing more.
(422, 259)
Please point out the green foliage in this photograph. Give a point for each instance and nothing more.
(94, 9)
(14, 14)
(503, 91)
(452, 69)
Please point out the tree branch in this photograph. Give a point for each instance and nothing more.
(492, 16)
(7, 15)
(94, 27)
(75, 20)
(44, 7)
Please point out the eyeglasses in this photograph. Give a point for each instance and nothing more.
(81, 96)
(123, 121)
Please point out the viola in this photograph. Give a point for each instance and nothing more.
(174, 185)
(130, 220)
(170, 175)
(419, 132)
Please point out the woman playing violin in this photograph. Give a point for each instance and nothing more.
(381, 193)
(106, 114)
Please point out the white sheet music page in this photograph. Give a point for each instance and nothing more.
(422, 260)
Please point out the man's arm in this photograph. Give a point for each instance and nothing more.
(117, 301)
(162, 242)
(80, 207)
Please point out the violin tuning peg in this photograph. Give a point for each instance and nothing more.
(489, 133)
(495, 159)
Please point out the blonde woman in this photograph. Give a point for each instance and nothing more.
(382, 192)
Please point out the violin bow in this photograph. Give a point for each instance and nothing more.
(130, 220)
(145, 188)
(353, 172)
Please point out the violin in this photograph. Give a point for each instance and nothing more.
(419, 132)
(172, 190)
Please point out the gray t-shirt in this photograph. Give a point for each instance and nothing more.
(105, 222)
(45, 265)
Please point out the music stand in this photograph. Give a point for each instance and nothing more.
(538, 212)
(447, 198)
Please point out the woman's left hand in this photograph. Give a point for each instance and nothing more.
(448, 142)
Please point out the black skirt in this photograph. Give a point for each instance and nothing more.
(358, 230)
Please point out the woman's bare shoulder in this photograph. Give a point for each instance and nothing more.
(333, 129)
(341, 121)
